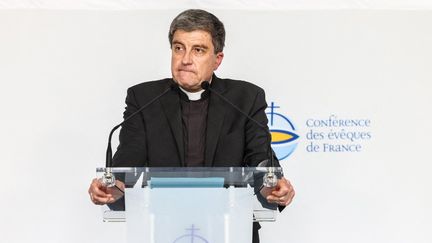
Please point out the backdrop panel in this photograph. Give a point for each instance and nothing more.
(350, 88)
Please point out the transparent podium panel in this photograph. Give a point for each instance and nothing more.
(190, 204)
(189, 215)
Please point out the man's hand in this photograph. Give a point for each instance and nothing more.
(281, 194)
(100, 194)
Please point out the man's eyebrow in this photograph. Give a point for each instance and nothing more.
(177, 42)
(201, 46)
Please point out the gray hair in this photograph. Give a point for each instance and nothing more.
(197, 19)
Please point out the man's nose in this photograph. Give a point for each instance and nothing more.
(187, 58)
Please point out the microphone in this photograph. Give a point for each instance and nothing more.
(270, 179)
(108, 178)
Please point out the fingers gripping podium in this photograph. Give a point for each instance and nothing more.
(191, 204)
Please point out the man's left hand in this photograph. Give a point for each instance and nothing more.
(282, 194)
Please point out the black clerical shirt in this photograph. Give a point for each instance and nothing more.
(194, 124)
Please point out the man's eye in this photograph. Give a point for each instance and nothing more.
(199, 50)
(178, 48)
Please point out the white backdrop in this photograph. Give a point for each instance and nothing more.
(64, 76)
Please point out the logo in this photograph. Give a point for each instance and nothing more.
(283, 133)
(191, 237)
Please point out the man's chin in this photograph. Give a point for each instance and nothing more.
(190, 87)
(187, 84)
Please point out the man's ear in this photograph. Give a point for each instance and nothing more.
(219, 58)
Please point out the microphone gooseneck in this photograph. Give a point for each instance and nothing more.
(270, 179)
(108, 178)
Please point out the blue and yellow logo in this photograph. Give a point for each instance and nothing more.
(284, 138)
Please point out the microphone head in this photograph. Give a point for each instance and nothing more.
(174, 86)
(205, 85)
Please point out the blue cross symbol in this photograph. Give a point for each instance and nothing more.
(272, 107)
(192, 235)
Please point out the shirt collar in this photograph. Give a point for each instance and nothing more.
(193, 96)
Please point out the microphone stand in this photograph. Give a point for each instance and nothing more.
(108, 179)
(270, 178)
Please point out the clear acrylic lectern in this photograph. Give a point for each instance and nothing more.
(191, 204)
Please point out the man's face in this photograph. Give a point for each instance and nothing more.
(193, 59)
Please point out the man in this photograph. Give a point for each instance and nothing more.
(189, 126)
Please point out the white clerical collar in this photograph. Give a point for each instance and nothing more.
(192, 95)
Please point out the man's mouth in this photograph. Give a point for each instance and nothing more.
(185, 70)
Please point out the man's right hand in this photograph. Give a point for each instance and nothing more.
(100, 194)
